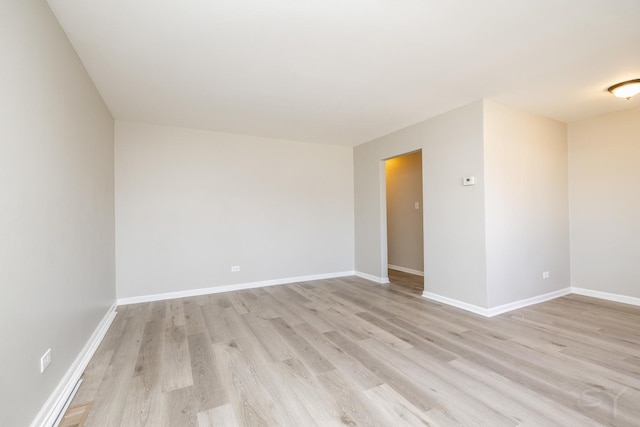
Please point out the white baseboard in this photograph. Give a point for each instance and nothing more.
(229, 288)
(57, 400)
(494, 311)
(64, 409)
(406, 270)
(456, 303)
(606, 296)
(382, 280)
(500, 309)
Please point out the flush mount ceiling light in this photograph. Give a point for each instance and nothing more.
(626, 89)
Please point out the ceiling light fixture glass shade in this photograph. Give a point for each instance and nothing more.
(626, 89)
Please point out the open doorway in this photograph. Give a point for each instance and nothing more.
(405, 237)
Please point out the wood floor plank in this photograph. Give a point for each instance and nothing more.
(338, 322)
(411, 339)
(315, 361)
(215, 324)
(560, 380)
(149, 359)
(364, 328)
(238, 303)
(179, 408)
(251, 402)
(386, 373)
(310, 316)
(357, 373)
(577, 373)
(75, 416)
(278, 307)
(118, 377)
(157, 310)
(176, 372)
(272, 342)
(175, 313)
(303, 387)
(348, 400)
(194, 319)
(596, 339)
(259, 363)
(142, 404)
(406, 281)
(455, 398)
(219, 301)
(207, 387)
(285, 293)
(93, 376)
(391, 408)
(256, 305)
(517, 369)
(221, 416)
(532, 407)
(349, 352)
(368, 304)
(303, 292)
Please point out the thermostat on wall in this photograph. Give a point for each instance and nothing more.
(469, 180)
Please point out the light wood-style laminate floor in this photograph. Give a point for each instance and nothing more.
(402, 281)
(349, 352)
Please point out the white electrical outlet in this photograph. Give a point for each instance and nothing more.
(416, 205)
(469, 180)
(235, 268)
(545, 274)
(45, 360)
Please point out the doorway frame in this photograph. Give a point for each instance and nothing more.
(384, 248)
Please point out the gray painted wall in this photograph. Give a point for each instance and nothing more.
(454, 252)
(404, 222)
(604, 172)
(56, 209)
(489, 243)
(190, 204)
(526, 204)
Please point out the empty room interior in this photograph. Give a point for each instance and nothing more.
(319, 213)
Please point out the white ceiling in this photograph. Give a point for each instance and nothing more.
(348, 71)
